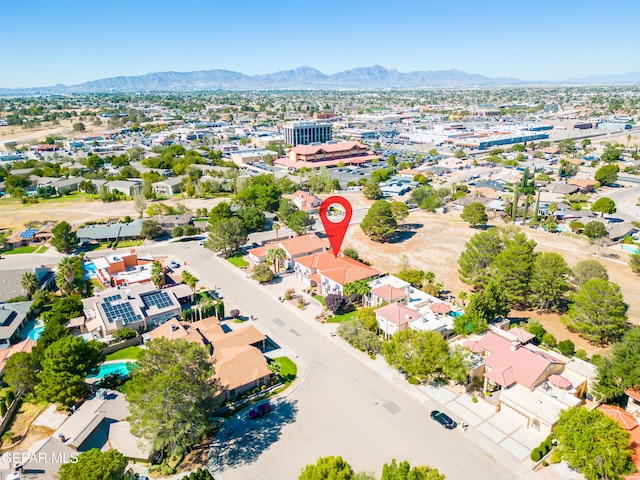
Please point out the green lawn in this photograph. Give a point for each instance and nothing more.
(238, 261)
(320, 298)
(42, 249)
(28, 249)
(288, 369)
(121, 244)
(343, 317)
(129, 353)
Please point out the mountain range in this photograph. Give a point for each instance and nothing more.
(303, 78)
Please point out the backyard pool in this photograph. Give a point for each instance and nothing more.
(89, 270)
(110, 368)
(35, 333)
(455, 314)
(630, 248)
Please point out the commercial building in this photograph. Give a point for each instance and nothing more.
(326, 155)
(304, 133)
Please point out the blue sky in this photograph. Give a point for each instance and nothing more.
(44, 42)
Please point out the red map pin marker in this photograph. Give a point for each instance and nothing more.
(336, 230)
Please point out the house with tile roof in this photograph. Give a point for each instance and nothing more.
(395, 317)
(306, 202)
(329, 274)
(294, 247)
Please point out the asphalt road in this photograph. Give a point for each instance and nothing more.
(341, 406)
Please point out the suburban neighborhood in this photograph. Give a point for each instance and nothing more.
(371, 273)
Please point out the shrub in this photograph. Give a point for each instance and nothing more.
(234, 313)
(474, 399)
(566, 347)
(581, 354)
(555, 457)
(335, 302)
(301, 303)
(536, 454)
(544, 463)
(413, 381)
(10, 396)
(9, 437)
(124, 333)
(549, 339)
(288, 295)
(3, 409)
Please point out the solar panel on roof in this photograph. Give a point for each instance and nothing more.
(112, 298)
(123, 311)
(28, 233)
(158, 299)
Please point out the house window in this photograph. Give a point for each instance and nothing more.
(535, 424)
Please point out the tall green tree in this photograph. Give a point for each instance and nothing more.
(604, 205)
(325, 468)
(299, 221)
(358, 288)
(227, 236)
(171, 394)
(66, 364)
(157, 274)
(585, 270)
(597, 312)
(474, 214)
(620, 369)
(150, 229)
(476, 259)
(489, 304)
(404, 471)
(594, 230)
(379, 224)
(64, 239)
(549, 280)
(66, 275)
(513, 266)
(95, 465)
(21, 372)
(190, 280)
(607, 175)
(593, 444)
(400, 211)
(421, 354)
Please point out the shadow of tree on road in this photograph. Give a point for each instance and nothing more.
(250, 438)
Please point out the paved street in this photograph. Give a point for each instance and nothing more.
(343, 404)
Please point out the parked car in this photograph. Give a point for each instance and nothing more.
(174, 264)
(443, 419)
(259, 411)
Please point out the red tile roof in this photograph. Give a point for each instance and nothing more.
(328, 148)
(527, 365)
(397, 313)
(389, 293)
(341, 270)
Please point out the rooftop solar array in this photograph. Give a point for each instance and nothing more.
(122, 311)
(112, 298)
(28, 233)
(159, 299)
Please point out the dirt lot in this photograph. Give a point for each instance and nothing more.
(436, 241)
(13, 133)
(13, 214)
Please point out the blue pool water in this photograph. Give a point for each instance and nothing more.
(89, 270)
(455, 314)
(35, 333)
(629, 248)
(107, 369)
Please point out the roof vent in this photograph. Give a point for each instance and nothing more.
(174, 327)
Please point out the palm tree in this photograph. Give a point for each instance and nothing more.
(66, 275)
(157, 275)
(463, 297)
(30, 283)
(276, 227)
(357, 287)
(275, 256)
(190, 280)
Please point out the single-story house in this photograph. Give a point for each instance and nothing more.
(168, 186)
(110, 232)
(13, 318)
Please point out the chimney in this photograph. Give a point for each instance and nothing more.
(515, 345)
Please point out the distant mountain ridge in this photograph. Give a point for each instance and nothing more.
(303, 78)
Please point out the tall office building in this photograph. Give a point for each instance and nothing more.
(304, 133)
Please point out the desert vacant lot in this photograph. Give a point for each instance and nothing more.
(438, 240)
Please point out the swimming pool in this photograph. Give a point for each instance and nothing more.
(35, 333)
(89, 270)
(629, 248)
(110, 368)
(455, 314)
